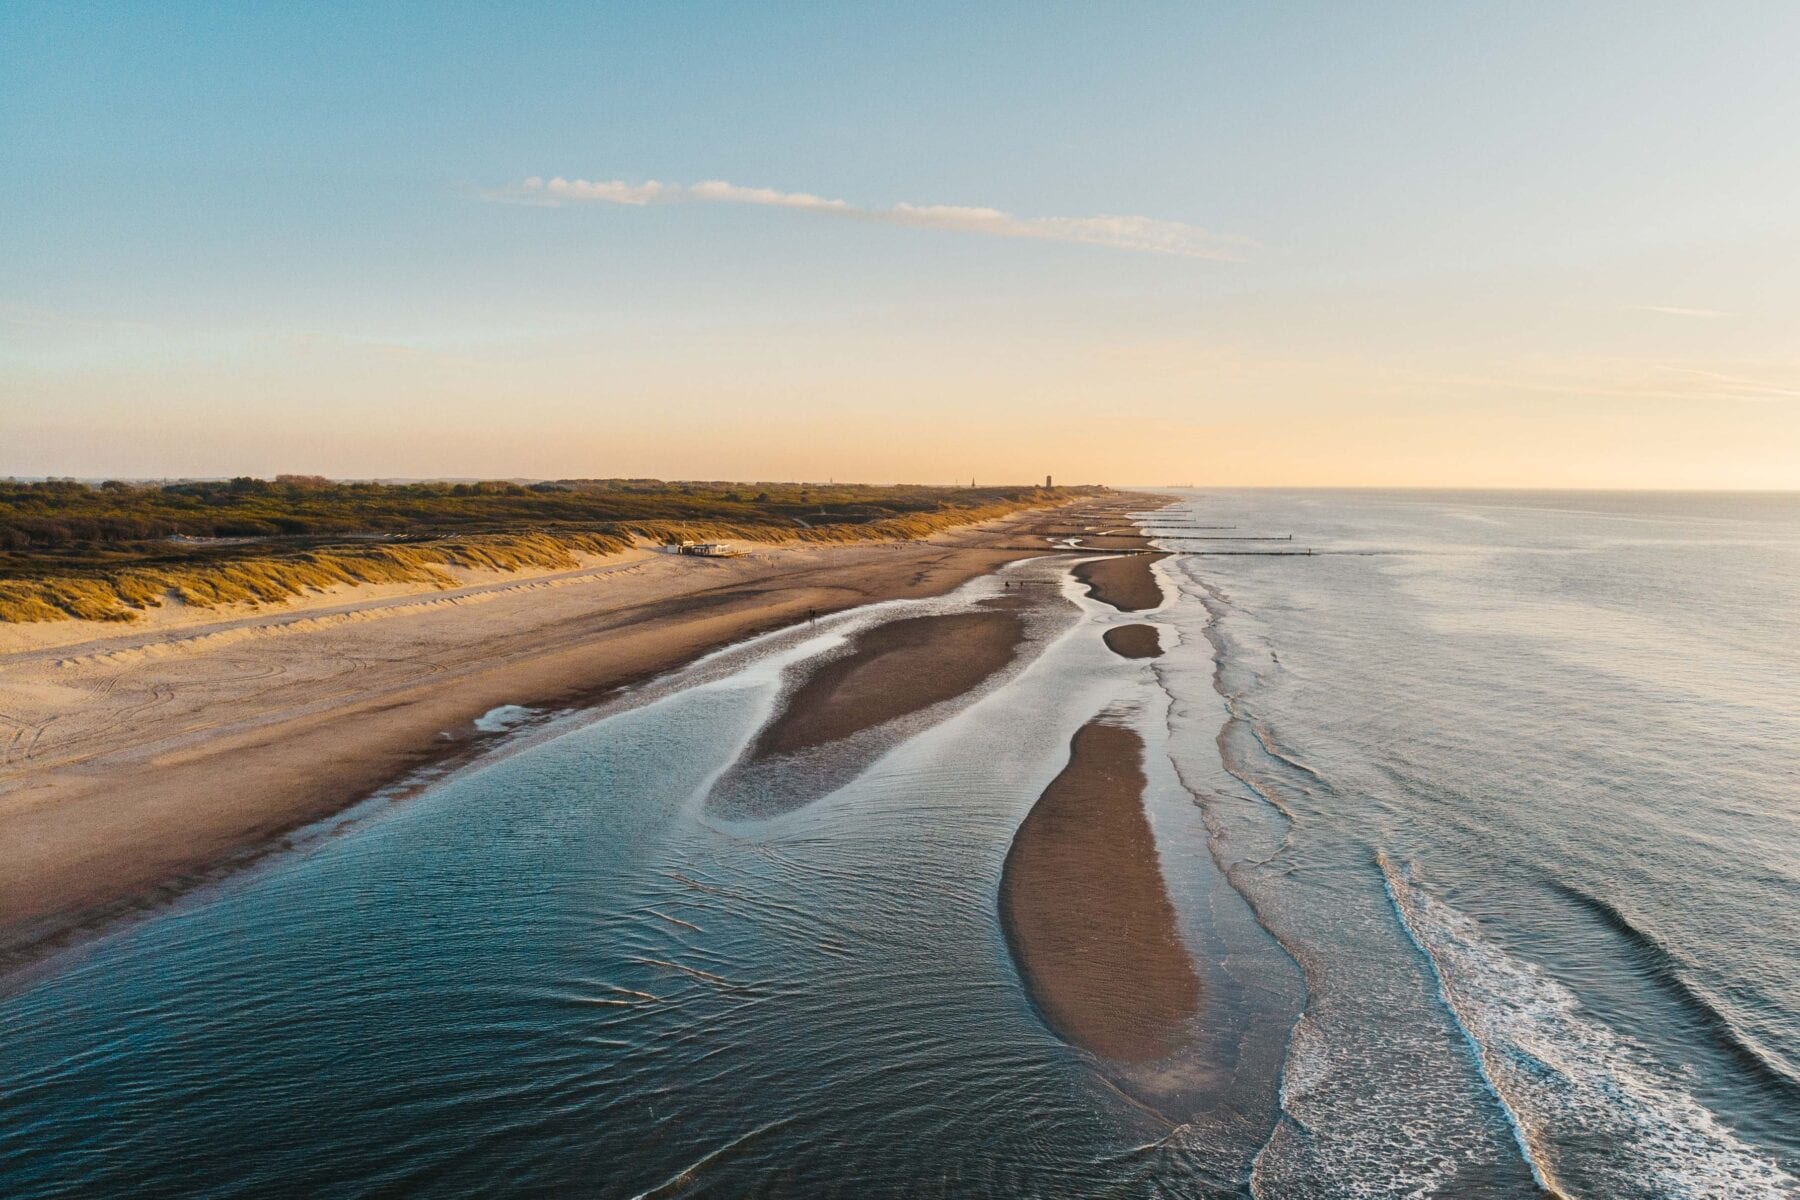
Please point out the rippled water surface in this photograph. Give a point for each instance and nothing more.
(1480, 825)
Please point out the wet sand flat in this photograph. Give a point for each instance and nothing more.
(892, 670)
(1127, 583)
(1133, 641)
(1085, 911)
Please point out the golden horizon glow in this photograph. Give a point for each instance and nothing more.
(1438, 249)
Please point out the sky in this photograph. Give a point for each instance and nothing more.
(1382, 244)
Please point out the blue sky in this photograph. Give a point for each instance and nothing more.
(1480, 244)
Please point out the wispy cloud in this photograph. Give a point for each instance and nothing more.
(1734, 386)
(1145, 234)
(17, 316)
(1669, 310)
(1767, 382)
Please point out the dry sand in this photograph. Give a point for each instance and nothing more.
(1133, 641)
(1127, 583)
(1086, 914)
(141, 759)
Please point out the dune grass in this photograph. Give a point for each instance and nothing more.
(114, 578)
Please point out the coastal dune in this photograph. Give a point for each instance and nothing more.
(1085, 911)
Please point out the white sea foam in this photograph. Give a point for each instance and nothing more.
(499, 720)
(1569, 1081)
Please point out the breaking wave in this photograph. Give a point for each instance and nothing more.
(1591, 1112)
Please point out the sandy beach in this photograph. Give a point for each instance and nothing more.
(144, 758)
(1083, 904)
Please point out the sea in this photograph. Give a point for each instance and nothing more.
(1479, 813)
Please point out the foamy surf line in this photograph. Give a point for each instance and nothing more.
(1551, 1066)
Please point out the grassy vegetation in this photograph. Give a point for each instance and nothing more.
(69, 550)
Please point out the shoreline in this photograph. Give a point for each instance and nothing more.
(133, 793)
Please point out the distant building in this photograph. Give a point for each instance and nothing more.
(1048, 482)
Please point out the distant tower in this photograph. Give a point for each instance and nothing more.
(1048, 483)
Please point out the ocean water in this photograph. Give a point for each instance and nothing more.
(1481, 823)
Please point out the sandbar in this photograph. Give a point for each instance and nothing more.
(1133, 641)
(1127, 583)
(1085, 912)
(891, 670)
